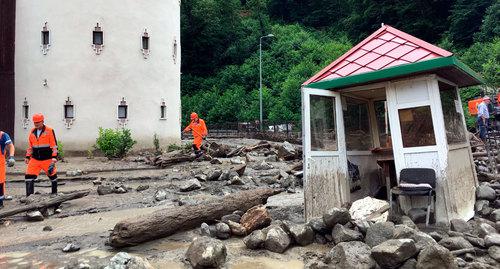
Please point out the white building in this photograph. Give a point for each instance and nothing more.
(87, 64)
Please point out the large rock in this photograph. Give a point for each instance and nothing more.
(494, 252)
(231, 217)
(191, 185)
(222, 230)
(214, 175)
(236, 228)
(455, 243)
(287, 151)
(492, 240)
(105, 189)
(123, 260)
(436, 256)
(350, 255)
(342, 234)
(160, 195)
(240, 169)
(421, 239)
(485, 229)
(485, 192)
(409, 264)
(319, 226)
(34, 216)
(379, 232)
(364, 209)
(459, 225)
(277, 240)
(336, 215)
(495, 215)
(392, 253)
(206, 252)
(71, 248)
(255, 218)
(302, 234)
(255, 240)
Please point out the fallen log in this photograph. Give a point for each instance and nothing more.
(40, 205)
(165, 222)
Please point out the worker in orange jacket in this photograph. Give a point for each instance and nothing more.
(5, 145)
(41, 154)
(199, 130)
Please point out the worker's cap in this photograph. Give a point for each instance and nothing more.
(486, 98)
(38, 117)
(194, 116)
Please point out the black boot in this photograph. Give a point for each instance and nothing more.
(1, 195)
(30, 187)
(54, 186)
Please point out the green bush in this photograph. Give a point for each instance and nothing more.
(114, 143)
(60, 151)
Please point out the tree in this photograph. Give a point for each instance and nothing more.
(491, 24)
(465, 19)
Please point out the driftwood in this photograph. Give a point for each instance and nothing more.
(165, 222)
(41, 205)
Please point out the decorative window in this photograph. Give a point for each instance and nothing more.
(417, 129)
(45, 36)
(97, 39)
(69, 113)
(145, 44)
(357, 125)
(163, 110)
(174, 50)
(26, 114)
(122, 112)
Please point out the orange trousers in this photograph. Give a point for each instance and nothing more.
(35, 166)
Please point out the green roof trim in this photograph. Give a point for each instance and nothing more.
(397, 71)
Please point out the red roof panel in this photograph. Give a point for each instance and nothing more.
(384, 48)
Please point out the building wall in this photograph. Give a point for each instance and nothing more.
(96, 83)
(7, 35)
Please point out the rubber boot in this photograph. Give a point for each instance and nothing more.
(30, 187)
(1, 195)
(54, 186)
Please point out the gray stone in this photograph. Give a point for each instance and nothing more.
(160, 195)
(206, 252)
(263, 166)
(494, 252)
(342, 234)
(362, 225)
(350, 255)
(485, 192)
(436, 256)
(222, 231)
(47, 228)
(105, 189)
(71, 248)
(393, 253)
(231, 217)
(225, 176)
(237, 161)
(271, 158)
(287, 151)
(417, 215)
(34, 216)
(421, 239)
(336, 215)
(201, 177)
(236, 180)
(459, 225)
(191, 185)
(214, 175)
(255, 240)
(123, 260)
(436, 236)
(496, 204)
(455, 243)
(142, 188)
(302, 234)
(405, 220)
(379, 232)
(277, 240)
(495, 215)
(240, 169)
(485, 229)
(478, 206)
(215, 161)
(236, 228)
(319, 226)
(475, 241)
(318, 238)
(492, 240)
(409, 264)
(205, 230)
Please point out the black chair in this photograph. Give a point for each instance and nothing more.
(417, 182)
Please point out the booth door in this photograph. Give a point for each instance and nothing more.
(325, 161)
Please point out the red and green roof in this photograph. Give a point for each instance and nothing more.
(389, 53)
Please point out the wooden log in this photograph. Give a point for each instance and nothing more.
(165, 222)
(40, 205)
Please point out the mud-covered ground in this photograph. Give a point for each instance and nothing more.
(88, 221)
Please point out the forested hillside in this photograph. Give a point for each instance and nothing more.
(220, 46)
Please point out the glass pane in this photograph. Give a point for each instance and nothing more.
(45, 37)
(69, 111)
(26, 111)
(145, 42)
(122, 112)
(416, 127)
(384, 130)
(162, 112)
(357, 125)
(452, 113)
(97, 38)
(323, 126)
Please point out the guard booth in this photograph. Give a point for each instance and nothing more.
(389, 103)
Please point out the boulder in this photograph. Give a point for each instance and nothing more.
(240, 169)
(142, 188)
(222, 231)
(364, 209)
(160, 195)
(319, 226)
(350, 255)
(206, 252)
(485, 192)
(302, 234)
(255, 240)
(495, 215)
(336, 215)
(494, 252)
(277, 240)
(123, 260)
(236, 228)
(205, 230)
(459, 225)
(492, 240)
(455, 243)
(191, 185)
(393, 253)
(236, 180)
(485, 229)
(232, 217)
(214, 175)
(436, 236)
(342, 234)
(71, 248)
(105, 189)
(287, 151)
(409, 264)
(34, 216)
(436, 256)
(255, 218)
(475, 241)
(201, 177)
(480, 204)
(421, 239)
(379, 232)
(225, 176)
(362, 225)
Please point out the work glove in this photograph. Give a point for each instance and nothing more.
(11, 161)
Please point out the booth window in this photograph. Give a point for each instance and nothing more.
(323, 123)
(417, 129)
(384, 128)
(452, 113)
(357, 125)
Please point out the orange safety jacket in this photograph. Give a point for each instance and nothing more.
(199, 130)
(43, 147)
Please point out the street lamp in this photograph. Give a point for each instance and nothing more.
(260, 74)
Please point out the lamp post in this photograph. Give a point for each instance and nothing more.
(260, 74)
